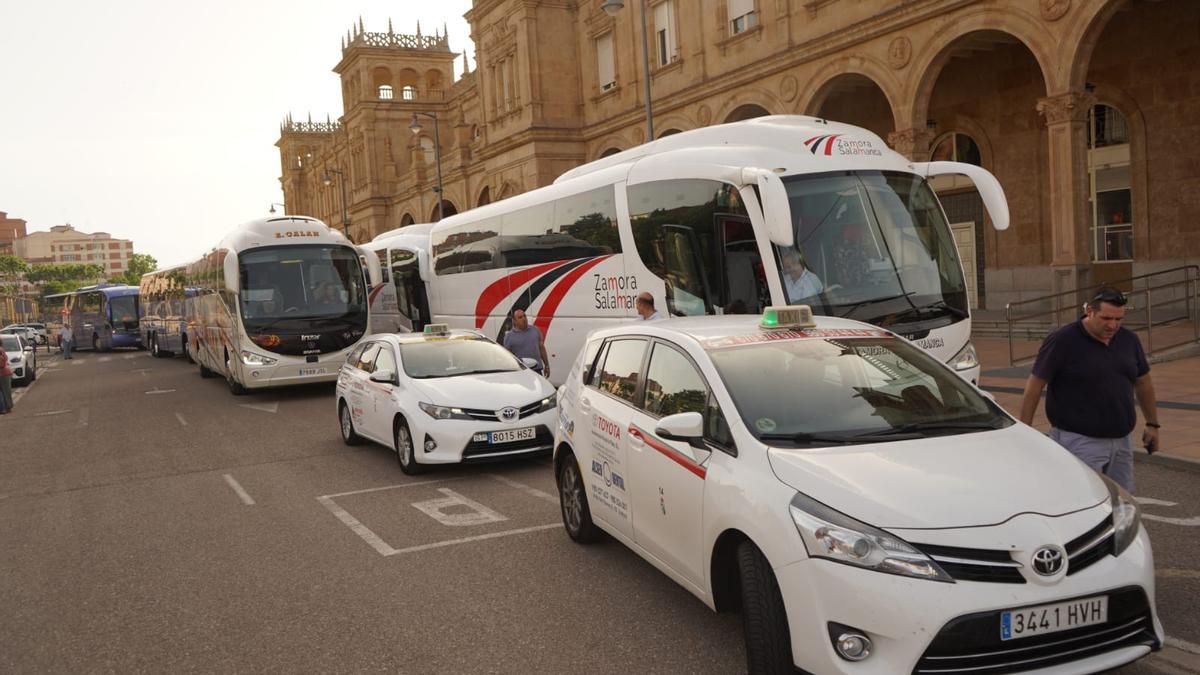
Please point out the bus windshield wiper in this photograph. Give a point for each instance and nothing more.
(915, 428)
(872, 301)
(940, 304)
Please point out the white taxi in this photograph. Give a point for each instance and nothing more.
(866, 509)
(443, 397)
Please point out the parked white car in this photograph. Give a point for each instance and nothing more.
(444, 397)
(22, 357)
(868, 511)
(27, 333)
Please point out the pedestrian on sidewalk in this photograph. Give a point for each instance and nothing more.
(526, 342)
(1094, 367)
(66, 340)
(6, 371)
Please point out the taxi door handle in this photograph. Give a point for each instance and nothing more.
(585, 406)
(637, 442)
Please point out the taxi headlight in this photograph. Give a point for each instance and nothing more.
(251, 359)
(966, 358)
(832, 535)
(441, 412)
(548, 403)
(15, 359)
(1126, 516)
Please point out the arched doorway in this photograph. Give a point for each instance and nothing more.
(485, 196)
(669, 132)
(406, 219)
(746, 112)
(609, 152)
(448, 209)
(856, 99)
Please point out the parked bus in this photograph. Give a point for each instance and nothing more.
(719, 220)
(278, 301)
(101, 316)
(163, 324)
(399, 269)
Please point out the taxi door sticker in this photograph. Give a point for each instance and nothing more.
(608, 486)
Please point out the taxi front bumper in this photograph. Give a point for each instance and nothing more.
(919, 626)
(455, 440)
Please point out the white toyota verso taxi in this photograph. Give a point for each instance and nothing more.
(867, 509)
(444, 397)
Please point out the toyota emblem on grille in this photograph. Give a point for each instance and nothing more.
(508, 414)
(1047, 561)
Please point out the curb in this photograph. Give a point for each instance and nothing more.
(1168, 460)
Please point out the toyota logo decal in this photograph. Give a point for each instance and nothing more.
(508, 414)
(1048, 561)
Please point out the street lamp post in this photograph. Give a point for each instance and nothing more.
(279, 204)
(328, 180)
(415, 127)
(612, 7)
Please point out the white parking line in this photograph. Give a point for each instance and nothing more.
(51, 412)
(104, 359)
(1189, 647)
(241, 492)
(130, 356)
(182, 422)
(466, 540)
(358, 528)
(525, 488)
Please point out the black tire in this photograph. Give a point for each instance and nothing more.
(764, 619)
(205, 371)
(349, 435)
(154, 350)
(95, 342)
(406, 449)
(572, 501)
(187, 352)
(235, 387)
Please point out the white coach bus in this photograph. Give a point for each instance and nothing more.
(398, 261)
(279, 301)
(724, 219)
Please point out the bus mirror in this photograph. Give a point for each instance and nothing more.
(989, 188)
(776, 210)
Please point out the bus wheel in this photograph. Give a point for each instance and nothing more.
(154, 351)
(95, 342)
(406, 454)
(235, 387)
(187, 352)
(349, 435)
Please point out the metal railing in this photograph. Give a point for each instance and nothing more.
(1154, 301)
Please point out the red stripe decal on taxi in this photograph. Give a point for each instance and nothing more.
(671, 453)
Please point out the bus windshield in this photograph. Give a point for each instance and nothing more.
(872, 246)
(301, 282)
(123, 311)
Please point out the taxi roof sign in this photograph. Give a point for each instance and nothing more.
(437, 329)
(787, 317)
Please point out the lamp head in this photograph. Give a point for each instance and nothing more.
(272, 209)
(415, 126)
(327, 179)
(612, 6)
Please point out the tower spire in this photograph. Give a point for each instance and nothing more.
(389, 25)
(418, 29)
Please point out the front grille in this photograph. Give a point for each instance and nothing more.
(971, 644)
(1090, 547)
(542, 440)
(975, 564)
(493, 415)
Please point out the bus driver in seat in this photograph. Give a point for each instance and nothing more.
(800, 282)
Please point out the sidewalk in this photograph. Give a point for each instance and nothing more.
(1176, 383)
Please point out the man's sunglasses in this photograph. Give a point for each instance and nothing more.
(1111, 297)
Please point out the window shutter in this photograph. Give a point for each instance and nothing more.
(604, 61)
(739, 8)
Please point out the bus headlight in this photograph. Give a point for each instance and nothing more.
(966, 358)
(1126, 516)
(833, 535)
(441, 412)
(251, 359)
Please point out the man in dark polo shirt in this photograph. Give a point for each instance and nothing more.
(1093, 368)
(526, 342)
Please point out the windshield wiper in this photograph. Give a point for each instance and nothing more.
(915, 428)
(873, 301)
(804, 437)
(940, 304)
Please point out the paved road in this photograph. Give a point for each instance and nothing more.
(151, 521)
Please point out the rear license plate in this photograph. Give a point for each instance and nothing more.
(507, 436)
(312, 371)
(1045, 619)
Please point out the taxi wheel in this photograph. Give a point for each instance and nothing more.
(349, 436)
(577, 518)
(406, 454)
(764, 619)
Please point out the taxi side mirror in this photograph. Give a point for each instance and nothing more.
(687, 427)
(28, 348)
(529, 363)
(385, 376)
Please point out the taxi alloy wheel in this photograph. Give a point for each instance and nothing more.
(577, 518)
(349, 435)
(405, 454)
(764, 619)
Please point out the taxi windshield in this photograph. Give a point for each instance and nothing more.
(455, 356)
(826, 392)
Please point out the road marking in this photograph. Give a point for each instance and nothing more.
(436, 509)
(1155, 502)
(241, 493)
(104, 359)
(78, 362)
(1177, 573)
(1190, 647)
(467, 540)
(83, 417)
(1194, 521)
(182, 422)
(525, 488)
(51, 412)
(160, 391)
(265, 407)
(141, 370)
(358, 528)
(130, 356)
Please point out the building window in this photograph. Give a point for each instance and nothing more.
(408, 93)
(1110, 180)
(385, 92)
(742, 16)
(606, 66)
(957, 148)
(664, 32)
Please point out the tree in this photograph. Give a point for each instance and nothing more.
(140, 264)
(65, 272)
(11, 266)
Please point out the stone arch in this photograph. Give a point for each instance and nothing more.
(759, 97)
(854, 98)
(963, 124)
(485, 196)
(1080, 41)
(670, 132)
(448, 209)
(824, 82)
(927, 64)
(608, 152)
(1139, 171)
(672, 122)
(508, 188)
(407, 81)
(406, 219)
(434, 82)
(746, 111)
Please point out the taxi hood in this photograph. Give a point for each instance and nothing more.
(487, 391)
(963, 480)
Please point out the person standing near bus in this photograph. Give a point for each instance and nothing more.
(66, 340)
(526, 342)
(6, 399)
(644, 304)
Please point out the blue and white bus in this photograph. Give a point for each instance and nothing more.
(101, 317)
(163, 324)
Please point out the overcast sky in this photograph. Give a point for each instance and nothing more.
(156, 120)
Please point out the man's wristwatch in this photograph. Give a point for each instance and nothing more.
(1156, 425)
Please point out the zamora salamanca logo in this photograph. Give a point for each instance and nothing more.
(825, 145)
